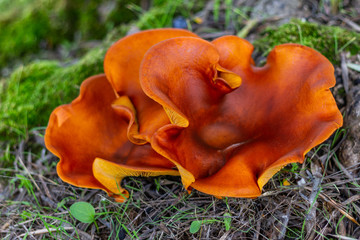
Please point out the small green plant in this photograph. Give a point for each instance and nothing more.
(63, 202)
(294, 168)
(339, 134)
(227, 221)
(84, 212)
(157, 184)
(25, 183)
(195, 225)
(25, 215)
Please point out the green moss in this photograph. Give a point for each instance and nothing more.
(33, 91)
(121, 13)
(25, 88)
(163, 11)
(329, 41)
(24, 34)
(44, 24)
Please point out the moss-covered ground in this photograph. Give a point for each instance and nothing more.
(328, 40)
(32, 91)
(28, 26)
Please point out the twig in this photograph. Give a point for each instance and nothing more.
(223, 237)
(336, 205)
(286, 218)
(351, 24)
(342, 237)
(343, 168)
(42, 231)
(28, 173)
(351, 199)
(325, 229)
(344, 73)
(6, 225)
(47, 192)
(250, 24)
(311, 216)
(257, 231)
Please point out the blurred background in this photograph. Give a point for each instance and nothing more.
(65, 29)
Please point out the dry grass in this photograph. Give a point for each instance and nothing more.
(321, 202)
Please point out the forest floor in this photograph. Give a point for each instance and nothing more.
(319, 199)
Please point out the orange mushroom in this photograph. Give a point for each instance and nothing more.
(121, 65)
(225, 124)
(90, 138)
(94, 136)
(228, 140)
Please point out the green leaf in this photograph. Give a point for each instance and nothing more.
(227, 221)
(83, 211)
(195, 226)
(354, 66)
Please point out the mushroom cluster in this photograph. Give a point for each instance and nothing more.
(171, 103)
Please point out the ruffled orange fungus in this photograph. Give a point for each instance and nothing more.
(171, 103)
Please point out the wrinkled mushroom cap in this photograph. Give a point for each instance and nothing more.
(97, 136)
(174, 104)
(122, 63)
(231, 141)
(90, 138)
